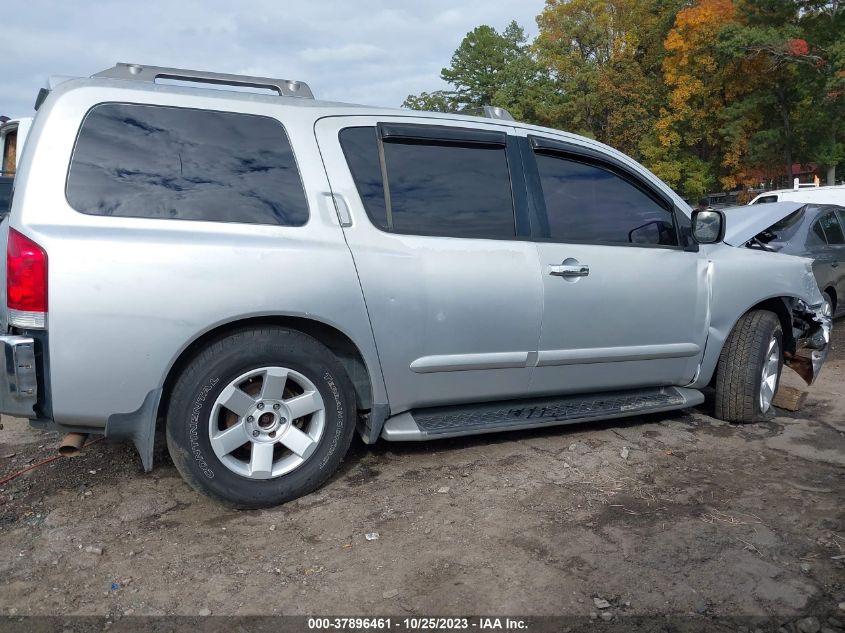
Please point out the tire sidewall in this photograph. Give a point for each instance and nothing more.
(188, 421)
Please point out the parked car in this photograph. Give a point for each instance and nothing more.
(269, 273)
(834, 194)
(816, 231)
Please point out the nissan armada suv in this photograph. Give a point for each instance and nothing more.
(265, 274)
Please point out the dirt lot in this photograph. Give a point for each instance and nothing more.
(677, 513)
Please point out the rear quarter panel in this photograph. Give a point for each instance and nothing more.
(127, 296)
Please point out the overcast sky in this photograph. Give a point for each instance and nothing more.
(362, 51)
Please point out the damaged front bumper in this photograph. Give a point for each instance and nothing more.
(811, 327)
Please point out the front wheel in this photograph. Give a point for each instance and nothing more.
(749, 368)
(260, 417)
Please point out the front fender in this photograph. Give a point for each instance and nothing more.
(741, 280)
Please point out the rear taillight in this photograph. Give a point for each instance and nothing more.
(26, 282)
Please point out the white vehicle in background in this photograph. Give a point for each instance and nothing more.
(13, 134)
(834, 194)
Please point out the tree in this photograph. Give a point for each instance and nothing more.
(488, 68)
(437, 101)
(604, 58)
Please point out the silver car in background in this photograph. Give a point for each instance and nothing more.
(268, 273)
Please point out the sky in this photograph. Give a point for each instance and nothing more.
(373, 52)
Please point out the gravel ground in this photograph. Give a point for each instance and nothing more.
(675, 513)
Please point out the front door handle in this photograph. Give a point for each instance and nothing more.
(569, 270)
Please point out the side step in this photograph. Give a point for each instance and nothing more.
(474, 419)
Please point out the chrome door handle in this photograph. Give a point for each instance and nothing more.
(569, 270)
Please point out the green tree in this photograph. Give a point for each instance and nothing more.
(489, 68)
(437, 101)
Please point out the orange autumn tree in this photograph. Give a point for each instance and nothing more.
(687, 147)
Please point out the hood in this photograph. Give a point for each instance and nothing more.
(743, 223)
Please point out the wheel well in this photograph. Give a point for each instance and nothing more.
(338, 343)
(779, 306)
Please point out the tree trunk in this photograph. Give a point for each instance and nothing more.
(831, 175)
(787, 133)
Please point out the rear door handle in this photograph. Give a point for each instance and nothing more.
(569, 270)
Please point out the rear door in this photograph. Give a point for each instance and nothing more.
(625, 305)
(435, 218)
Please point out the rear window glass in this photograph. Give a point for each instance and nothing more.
(766, 199)
(164, 162)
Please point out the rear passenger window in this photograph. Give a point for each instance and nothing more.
(442, 189)
(832, 229)
(816, 236)
(163, 162)
(589, 203)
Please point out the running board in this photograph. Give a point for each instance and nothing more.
(510, 415)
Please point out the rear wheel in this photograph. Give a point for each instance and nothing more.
(260, 417)
(749, 368)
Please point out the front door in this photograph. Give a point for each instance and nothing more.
(625, 305)
(439, 237)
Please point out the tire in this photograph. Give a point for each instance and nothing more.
(273, 366)
(740, 372)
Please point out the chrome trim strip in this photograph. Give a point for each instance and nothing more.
(465, 362)
(548, 358)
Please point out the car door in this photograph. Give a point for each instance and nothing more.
(434, 213)
(829, 256)
(625, 302)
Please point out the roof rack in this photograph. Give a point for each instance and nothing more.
(489, 112)
(137, 72)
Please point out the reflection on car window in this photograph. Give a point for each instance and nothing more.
(832, 229)
(444, 190)
(587, 203)
(179, 163)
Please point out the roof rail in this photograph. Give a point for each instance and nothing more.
(489, 112)
(137, 72)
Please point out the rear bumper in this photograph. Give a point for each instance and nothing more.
(19, 382)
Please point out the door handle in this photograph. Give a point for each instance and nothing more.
(569, 270)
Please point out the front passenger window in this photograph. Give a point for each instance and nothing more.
(587, 202)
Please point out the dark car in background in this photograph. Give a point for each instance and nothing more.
(5, 194)
(816, 231)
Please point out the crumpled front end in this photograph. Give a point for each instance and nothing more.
(811, 326)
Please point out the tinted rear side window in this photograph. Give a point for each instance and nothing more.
(588, 203)
(437, 189)
(163, 162)
(360, 147)
(5, 195)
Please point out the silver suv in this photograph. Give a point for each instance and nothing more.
(267, 273)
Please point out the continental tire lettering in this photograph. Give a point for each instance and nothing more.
(194, 425)
(338, 429)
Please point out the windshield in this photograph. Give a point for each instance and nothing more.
(785, 229)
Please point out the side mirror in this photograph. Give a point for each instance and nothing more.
(708, 227)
